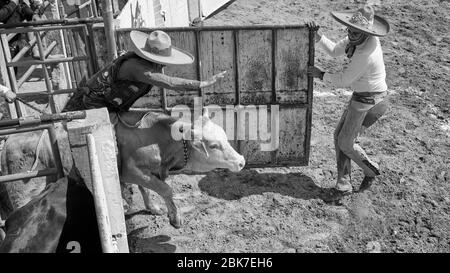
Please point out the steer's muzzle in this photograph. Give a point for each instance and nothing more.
(239, 164)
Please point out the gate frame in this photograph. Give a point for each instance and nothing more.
(310, 80)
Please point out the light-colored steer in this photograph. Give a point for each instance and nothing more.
(150, 150)
(147, 152)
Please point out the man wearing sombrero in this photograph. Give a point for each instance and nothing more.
(366, 76)
(132, 75)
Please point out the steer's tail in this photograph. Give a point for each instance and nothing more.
(38, 149)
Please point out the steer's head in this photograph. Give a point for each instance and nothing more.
(210, 148)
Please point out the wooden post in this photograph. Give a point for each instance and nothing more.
(97, 124)
(101, 206)
(109, 29)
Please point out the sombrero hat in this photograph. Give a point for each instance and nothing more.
(363, 20)
(157, 47)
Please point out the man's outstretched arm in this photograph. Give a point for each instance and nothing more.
(145, 74)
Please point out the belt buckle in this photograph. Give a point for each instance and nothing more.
(363, 99)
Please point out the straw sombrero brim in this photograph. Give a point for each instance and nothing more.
(178, 56)
(380, 27)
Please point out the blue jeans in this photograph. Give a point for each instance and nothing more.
(363, 110)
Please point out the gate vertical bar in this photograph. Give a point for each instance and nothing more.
(20, 110)
(74, 52)
(64, 50)
(90, 66)
(94, 8)
(310, 92)
(4, 80)
(92, 47)
(55, 150)
(237, 88)
(91, 9)
(84, 65)
(109, 29)
(101, 206)
(66, 44)
(197, 57)
(78, 11)
(48, 83)
(273, 154)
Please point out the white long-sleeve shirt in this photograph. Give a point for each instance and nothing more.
(365, 72)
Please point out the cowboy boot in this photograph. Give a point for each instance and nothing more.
(366, 183)
(343, 185)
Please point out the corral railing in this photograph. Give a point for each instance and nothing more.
(78, 59)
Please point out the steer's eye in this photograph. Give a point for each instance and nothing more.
(214, 146)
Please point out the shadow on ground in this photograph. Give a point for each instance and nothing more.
(232, 186)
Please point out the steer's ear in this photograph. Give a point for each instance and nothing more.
(199, 145)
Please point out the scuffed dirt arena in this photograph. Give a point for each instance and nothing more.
(282, 209)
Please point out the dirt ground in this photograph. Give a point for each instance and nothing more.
(283, 209)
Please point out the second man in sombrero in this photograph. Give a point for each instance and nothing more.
(132, 75)
(366, 76)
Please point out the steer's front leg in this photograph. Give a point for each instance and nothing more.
(149, 204)
(141, 175)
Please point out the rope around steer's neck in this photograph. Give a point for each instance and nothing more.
(186, 152)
